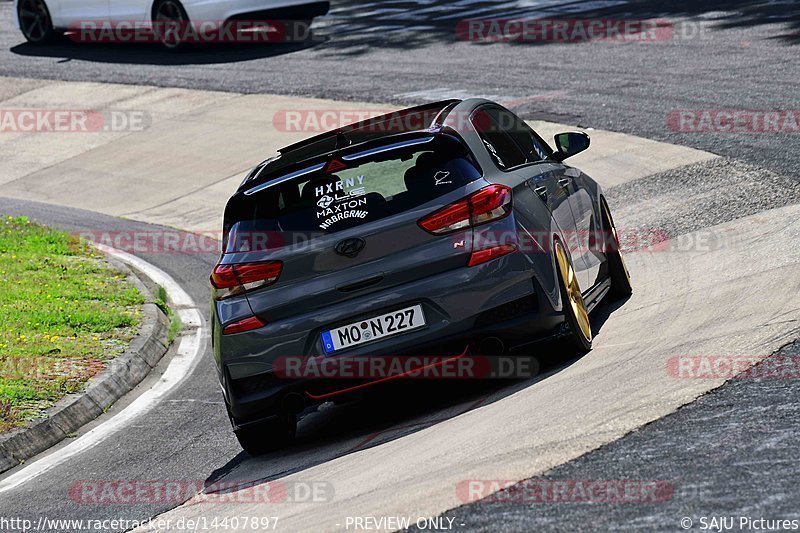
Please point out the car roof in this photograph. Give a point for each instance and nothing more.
(419, 119)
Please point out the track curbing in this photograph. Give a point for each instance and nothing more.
(121, 376)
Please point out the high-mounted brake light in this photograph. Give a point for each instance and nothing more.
(335, 166)
(230, 280)
(490, 203)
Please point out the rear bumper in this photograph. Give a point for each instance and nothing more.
(498, 299)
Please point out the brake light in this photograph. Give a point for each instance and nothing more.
(241, 326)
(483, 256)
(335, 166)
(231, 280)
(488, 204)
(452, 218)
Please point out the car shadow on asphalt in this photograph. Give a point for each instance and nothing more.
(154, 54)
(394, 29)
(392, 411)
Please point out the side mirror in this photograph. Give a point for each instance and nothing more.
(570, 143)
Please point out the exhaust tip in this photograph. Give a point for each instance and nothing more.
(491, 346)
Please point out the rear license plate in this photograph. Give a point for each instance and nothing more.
(370, 329)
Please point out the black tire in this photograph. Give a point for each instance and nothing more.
(267, 436)
(617, 270)
(35, 22)
(170, 21)
(579, 335)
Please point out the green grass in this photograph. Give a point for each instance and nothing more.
(63, 312)
(174, 327)
(174, 319)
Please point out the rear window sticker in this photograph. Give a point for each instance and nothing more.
(441, 176)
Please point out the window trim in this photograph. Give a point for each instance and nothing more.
(527, 163)
(282, 179)
(483, 141)
(387, 148)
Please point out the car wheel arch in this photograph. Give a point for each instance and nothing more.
(557, 239)
(53, 17)
(156, 3)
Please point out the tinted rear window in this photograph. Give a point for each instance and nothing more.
(375, 183)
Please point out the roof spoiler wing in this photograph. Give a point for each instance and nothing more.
(435, 109)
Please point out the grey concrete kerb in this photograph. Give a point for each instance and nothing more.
(121, 375)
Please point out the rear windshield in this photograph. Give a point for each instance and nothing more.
(354, 189)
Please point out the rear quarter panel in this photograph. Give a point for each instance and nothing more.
(536, 229)
(590, 223)
(220, 10)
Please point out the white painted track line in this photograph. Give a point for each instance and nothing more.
(187, 355)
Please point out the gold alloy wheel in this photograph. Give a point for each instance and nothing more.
(613, 229)
(573, 290)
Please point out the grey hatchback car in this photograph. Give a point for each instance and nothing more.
(450, 229)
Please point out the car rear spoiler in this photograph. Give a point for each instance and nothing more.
(371, 128)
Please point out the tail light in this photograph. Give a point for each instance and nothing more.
(484, 256)
(490, 203)
(231, 280)
(241, 326)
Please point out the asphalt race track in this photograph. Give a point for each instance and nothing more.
(197, 436)
(730, 450)
(741, 54)
(727, 284)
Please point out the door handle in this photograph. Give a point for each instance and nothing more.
(542, 192)
(565, 182)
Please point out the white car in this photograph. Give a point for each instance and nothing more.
(43, 20)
